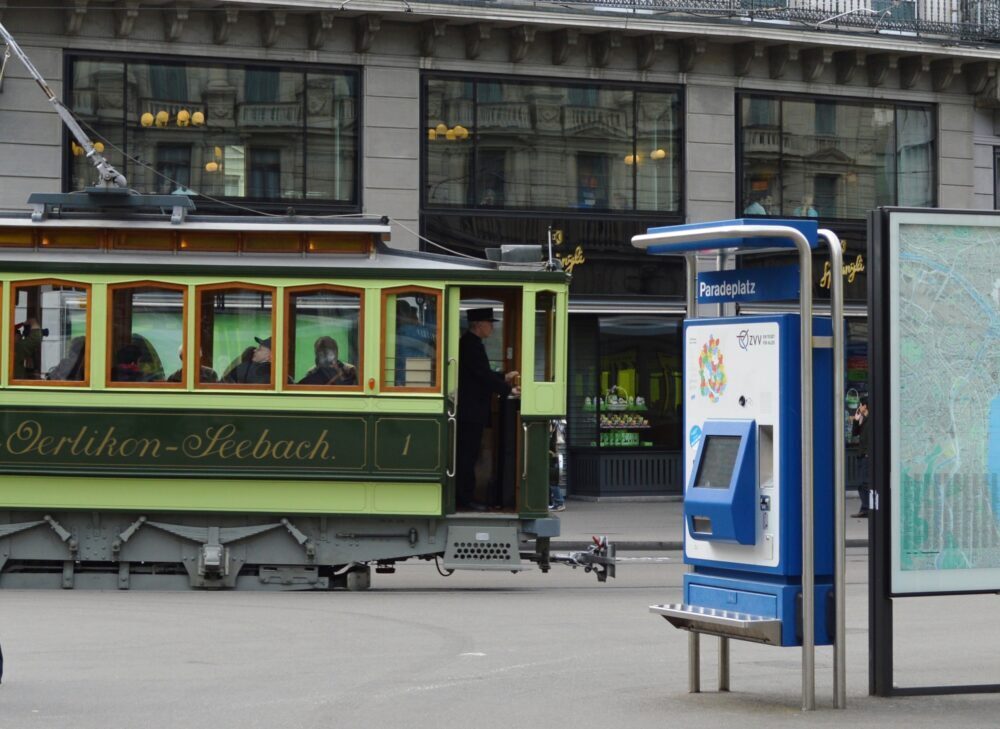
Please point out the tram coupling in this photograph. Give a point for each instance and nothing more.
(598, 558)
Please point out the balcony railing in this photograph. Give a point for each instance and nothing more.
(966, 20)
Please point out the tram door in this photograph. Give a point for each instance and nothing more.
(497, 462)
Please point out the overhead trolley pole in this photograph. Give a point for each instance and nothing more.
(742, 236)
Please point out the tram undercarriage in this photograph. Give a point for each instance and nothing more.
(112, 550)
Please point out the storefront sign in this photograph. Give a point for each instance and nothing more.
(779, 283)
(851, 269)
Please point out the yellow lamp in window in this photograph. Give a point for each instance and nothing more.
(146, 119)
(211, 167)
(198, 118)
(75, 148)
(183, 118)
(461, 132)
(630, 159)
(432, 134)
(441, 129)
(162, 118)
(450, 135)
(658, 154)
(218, 152)
(99, 147)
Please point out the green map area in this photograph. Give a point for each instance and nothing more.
(948, 420)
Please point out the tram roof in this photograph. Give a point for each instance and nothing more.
(378, 261)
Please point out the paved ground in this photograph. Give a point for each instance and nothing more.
(483, 650)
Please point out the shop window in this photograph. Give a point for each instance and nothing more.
(235, 336)
(545, 336)
(49, 334)
(411, 348)
(146, 345)
(324, 334)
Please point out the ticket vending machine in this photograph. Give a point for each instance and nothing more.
(743, 493)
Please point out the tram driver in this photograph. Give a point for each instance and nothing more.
(477, 383)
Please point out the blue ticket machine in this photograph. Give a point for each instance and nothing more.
(743, 468)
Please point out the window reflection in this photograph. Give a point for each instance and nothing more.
(535, 146)
(410, 349)
(235, 336)
(545, 336)
(836, 160)
(324, 338)
(147, 334)
(222, 130)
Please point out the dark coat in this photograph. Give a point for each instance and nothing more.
(476, 381)
(250, 373)
(859, 429)
(339, 374)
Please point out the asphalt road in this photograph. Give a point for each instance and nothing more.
(476, 650)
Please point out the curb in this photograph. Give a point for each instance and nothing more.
(653, 546)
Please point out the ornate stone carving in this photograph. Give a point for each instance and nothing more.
(911, 69)
(878, 66)
(366, 27)
(521, 38)
(601, 46)
(475, 34)
(943, 73)
(847, 64)
(646, 48)
(744, 54)
(689, 50)
(430, 31)
(271, 23)
(562, 42)
(814, 62)
(778, 58)
(223, 23)
(977, 75)
(75, 16)
(173, 22)
(125, 17)
(319, 24)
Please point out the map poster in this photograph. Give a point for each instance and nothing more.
(944, 394)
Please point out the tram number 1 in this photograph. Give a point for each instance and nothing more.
(406, 445)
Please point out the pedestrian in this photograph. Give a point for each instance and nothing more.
(556, 500)
(860, 431)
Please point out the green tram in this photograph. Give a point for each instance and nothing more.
(145, 444)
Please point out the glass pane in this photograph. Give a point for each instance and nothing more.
(50, 333)
(411, 340)
(235, 328)
(761, 156)
(147, 334)
(449, 132)
(545, 337)
(642, 396)
(657, 156)
(331, 137)
(324, 338)
(915, 152)
(494, 343)
(98, 99)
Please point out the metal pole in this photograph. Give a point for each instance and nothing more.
(694, 663)
(839, 486)
(808, 542)
(694, 644)
(723, 664)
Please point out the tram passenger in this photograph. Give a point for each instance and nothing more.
(207, 374)
(414, 341)
(72, 366)
(137, 362)
(476, 385)
(255, 371)
(329, 370)
(28, 349)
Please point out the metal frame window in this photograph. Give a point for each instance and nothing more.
(261, 134)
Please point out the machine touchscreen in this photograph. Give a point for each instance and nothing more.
(718, 461)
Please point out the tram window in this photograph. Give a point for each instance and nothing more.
(545, 336)
(410, 351)
(144, 240)
(146, 335)
(235, 332)
(324, 338)
(17, 237)
(51, 324)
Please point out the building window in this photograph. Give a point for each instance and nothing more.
(235, 337)
(49, 333)
(526, 145)
(870, 154)
(147, 335)
(221, 130)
